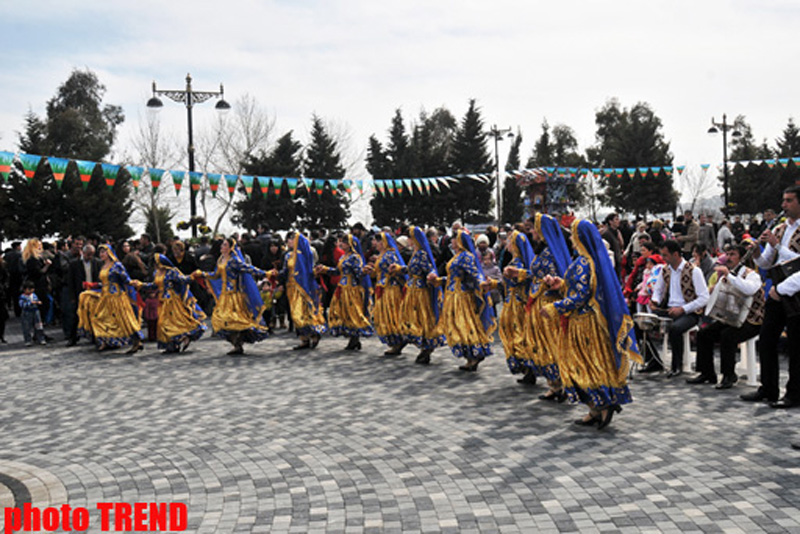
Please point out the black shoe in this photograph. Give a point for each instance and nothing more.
(673, 374)
(352, 344)
(727, 382)
(70, 343)
(314, 342)
(470, 368)
(757, 396)
(424, 358)
(529, 378)
(557, 396)
(135, 348)
(302, 346)
(796, 445)
(609, 416)
(3, 340)
(652, 367)
(702, 379)
(784, 402)
(236, 351)
(394, 351)
(588, 422)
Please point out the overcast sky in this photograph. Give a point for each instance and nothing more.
(356, 61)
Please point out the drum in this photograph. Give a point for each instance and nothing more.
(663, 324)
(646, 321)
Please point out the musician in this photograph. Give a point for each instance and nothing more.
(747, 282)
(782, 245)
(680, 293)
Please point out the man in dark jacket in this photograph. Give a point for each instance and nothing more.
(84, 269)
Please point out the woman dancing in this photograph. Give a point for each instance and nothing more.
(467, 319)
(390, 281)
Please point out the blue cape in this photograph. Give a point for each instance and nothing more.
(416, 233)
(366, 280)
(387, 238)
(554, 237)
(487, 312)
(304, 268)
(608, 291)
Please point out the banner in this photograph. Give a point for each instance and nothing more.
(248, 185)
(292, 183)
(29, 164)
(213, 183)
(231, 180)
(6, 159)
(195, 179)
(85, 170)
(58, 166)
(177, 180)
(110, 172)
(136, 175)
(155, 178)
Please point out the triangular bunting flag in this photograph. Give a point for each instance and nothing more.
(783, 161)
(29, 164)
(110, 172)
(59, 168)
(308, 182)
(155, 178)
(418, 183)
(85, 170)
(277, 183)
(136, 175)
(319, 186)
(380, 186)
(292, 183)
(263, 184)
(6, 159)
(213, 183)
(705, 166)
(195, 180)
(231, 180)
(248, 185)
(398, 186)
(334, 186)
(177, 180)
(681, 168)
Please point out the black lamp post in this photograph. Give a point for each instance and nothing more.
(498, 135)
(189, 97)
(725, 127)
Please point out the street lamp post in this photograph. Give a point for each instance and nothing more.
(498, 135)
(189, 97)
(725, 127)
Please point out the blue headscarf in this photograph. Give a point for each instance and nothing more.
(485, 306)
(128, 288)
(366, 280)
(182, 287)
(389, 241)
(523, 246)
(249, 286)
(608, 292)
(416, 233)
(246, 285)
(304, 268)
(549, 228)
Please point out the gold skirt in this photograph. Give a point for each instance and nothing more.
(306, 316)
(542, 336)
(418, 319)
(461, 324)
(386, 315)
(588, 368)
(232, 316)
(512, 331)
(109, 317)
(346, 313)
(176, 323)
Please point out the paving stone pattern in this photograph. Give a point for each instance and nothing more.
(334, 441)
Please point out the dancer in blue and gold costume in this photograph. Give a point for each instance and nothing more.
(237, 316)
(303, 293)
(541, 332)
(598, 339)
(180, 319)
(108, 311)
(390, 282)
(467, 319)
(513, 314)
(422, 304)
(348, 314)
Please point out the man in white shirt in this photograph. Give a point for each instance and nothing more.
(782, 245)
(681, 293)
(748, 283)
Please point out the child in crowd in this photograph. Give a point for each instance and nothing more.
(653, 265)
(151, 314)
(32, 328)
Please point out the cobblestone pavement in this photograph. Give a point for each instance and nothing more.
(332, 441)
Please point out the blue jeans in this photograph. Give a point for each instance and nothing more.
(32, 326)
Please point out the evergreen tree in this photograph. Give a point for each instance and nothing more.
(751, 188)
(395, 162)
(469, 200)
(277, 210)
(513, 205)
(322, 160)
(76, 127)
(633, 138)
